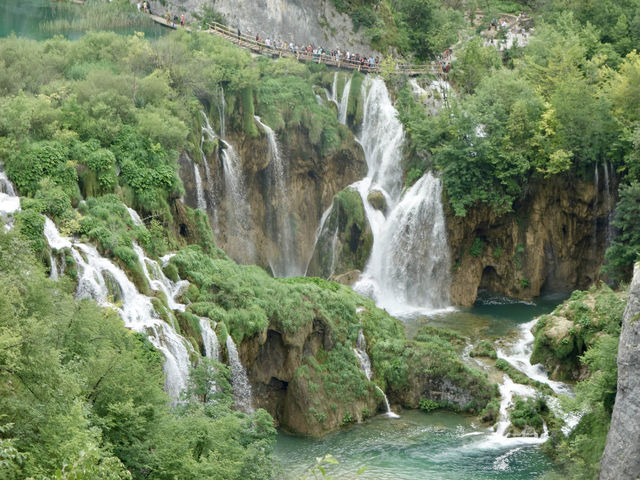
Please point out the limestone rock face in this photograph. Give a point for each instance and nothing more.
(285, 385)
(554, 240)
(621, 459)
(298, 21)
(311, 179)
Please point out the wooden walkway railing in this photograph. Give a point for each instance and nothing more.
(259, 47)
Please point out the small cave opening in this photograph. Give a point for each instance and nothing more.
(490, 280)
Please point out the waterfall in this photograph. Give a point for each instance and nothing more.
(333, 95)
(135, 218)
(360, 351)
(159, 282)
(507, 391)
(209, 339)
(344, 103)
(319, 232)
(200, 199)
(283, 262)
(221, 106)
(409, 261)
(239, 380)
(382, 140)
(519, 354)
(53, 267)
(207, 135)
(238, 209)
(9, 201)
(408, 270)
(101, 280)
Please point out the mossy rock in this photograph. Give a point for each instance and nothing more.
(377, 200)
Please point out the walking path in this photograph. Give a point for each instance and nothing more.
(259, 47)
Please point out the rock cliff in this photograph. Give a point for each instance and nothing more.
(554, 240)
(311, 180)
(299, 21)
(621, 459)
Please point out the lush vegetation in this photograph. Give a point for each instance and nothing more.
(484, 348)
(81, 396)
(566, 334)
(416, 368)
(560, 106)
(423, 28)
(589, 345)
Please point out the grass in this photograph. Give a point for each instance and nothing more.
(96, 15)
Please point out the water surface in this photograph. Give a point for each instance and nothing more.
(25, 17)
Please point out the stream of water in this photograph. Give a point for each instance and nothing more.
(440, 445)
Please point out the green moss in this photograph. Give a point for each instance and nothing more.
(484, 348)
(518, 377)
(591, 314)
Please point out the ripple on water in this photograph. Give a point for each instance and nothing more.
(438, 446)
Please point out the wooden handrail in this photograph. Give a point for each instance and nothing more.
(363, 65)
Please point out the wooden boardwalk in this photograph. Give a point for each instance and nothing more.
(259, 47)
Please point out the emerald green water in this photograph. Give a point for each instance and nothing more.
(435, 446)
(25, 17)
(415, 446)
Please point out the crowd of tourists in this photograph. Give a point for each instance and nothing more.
(319, 54)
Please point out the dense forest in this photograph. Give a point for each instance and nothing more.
(92, 126)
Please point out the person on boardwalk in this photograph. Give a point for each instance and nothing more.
(239, 34)
(182, 20)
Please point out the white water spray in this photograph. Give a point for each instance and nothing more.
(283, 261)
(344, 103)
(210, 339)
(9, 201)
(102, 281)
(239, 380)
(409, 262)
(360, 351)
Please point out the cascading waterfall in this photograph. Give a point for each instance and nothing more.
(135, 218)
(238, 210)
(333, 95)
(518, 355)
(360, 352)
(221, 107)
(319, 231)
(159, 282)
(283, 262)
(207, 135)
(410, 259)
(239, 380)
(408, 270)
(9, 201)
(344, 103)
(102, 281)
(210, 339)
(200, 198)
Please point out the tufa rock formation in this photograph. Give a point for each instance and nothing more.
(554, 240)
